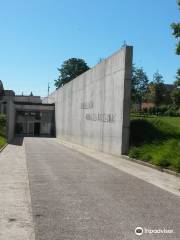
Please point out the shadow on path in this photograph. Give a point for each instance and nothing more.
(17, 141)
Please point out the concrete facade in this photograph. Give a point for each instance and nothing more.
(93, 109)
(26, 115)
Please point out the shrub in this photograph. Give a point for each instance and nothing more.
(145, 110)
(146, 157)
(134, 152)
(176, 165)
(163, 162)
(2, 125)
(2, 120)
(163, 109)
(172, 111)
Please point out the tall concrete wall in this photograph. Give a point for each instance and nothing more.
(10, 120)
(93, 109)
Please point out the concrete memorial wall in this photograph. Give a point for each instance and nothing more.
(93, 109)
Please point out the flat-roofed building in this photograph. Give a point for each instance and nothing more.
(26, 115)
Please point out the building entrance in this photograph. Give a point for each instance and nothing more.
(39, 123)
(30, 128)
(37, 127)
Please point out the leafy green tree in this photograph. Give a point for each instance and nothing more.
(69, 70)
(159, 90)
(177, 82)
(157, 78)
(175, 95)
(139, 85)
(176, 32)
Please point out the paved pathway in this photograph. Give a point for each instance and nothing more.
(75, 197)
(15, 203)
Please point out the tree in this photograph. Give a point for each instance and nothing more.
(158, 88)
(139, 85)
(177, 82)
(176, 32)
(175, 95)
(69, 70)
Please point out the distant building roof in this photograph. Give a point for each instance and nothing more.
(9, 93)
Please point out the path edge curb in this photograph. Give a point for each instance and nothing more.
(151, 165)
(125, 157)
(1, 149)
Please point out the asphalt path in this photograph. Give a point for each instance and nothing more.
(76, 197)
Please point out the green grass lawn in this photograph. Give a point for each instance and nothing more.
(156, 140)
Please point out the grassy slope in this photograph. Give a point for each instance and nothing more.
(156, 140)
(3, 140)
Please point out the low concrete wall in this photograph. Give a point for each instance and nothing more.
(93, 109)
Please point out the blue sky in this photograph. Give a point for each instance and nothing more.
(36, 36)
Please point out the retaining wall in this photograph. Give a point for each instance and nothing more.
(93, 109)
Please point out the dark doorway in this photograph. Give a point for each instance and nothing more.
(37, 129)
